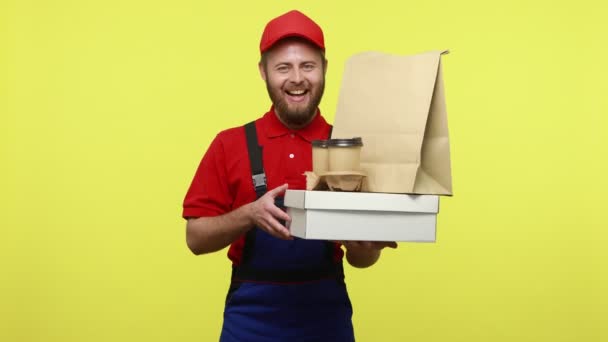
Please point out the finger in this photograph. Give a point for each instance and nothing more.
(279, 229)
(278, 213)
(268, 228)
(278, 190)
(274, 233)
(391, 244)
(379, 245)
(278, 235)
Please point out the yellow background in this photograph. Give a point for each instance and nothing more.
(106, 108)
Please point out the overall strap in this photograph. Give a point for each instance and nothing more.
(258, 177)
(255, 160)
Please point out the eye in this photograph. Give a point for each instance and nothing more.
(283, 68)
(308, 66)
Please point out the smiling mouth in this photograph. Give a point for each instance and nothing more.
(296, 92)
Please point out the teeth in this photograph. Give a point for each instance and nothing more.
(296, 92)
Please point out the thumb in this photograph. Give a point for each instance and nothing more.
(278, 190)
(391, 244)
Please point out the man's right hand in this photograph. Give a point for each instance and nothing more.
(266, 215)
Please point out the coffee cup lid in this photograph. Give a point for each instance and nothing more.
(357, 141)
(319, 143)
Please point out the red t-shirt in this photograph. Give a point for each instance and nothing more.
(223, 182)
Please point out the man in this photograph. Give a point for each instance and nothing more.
(282, 288)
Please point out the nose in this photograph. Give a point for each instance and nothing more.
(296, 75)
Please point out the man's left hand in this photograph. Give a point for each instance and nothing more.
(373, 245)
(363, 254)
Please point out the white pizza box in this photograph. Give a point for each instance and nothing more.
(362, 216)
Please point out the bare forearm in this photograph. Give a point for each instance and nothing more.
(211, 234)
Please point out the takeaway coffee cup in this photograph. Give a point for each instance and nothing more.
(320, 157)
(344, 154)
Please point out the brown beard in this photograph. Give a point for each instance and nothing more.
(297, 117)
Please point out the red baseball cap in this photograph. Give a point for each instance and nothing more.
(291, 24)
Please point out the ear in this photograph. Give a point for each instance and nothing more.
(325, 71)
(261, 69)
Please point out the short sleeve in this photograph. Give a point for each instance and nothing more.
(209, 194)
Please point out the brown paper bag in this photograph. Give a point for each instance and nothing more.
(397, 105)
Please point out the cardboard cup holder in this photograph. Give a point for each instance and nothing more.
(335, 181)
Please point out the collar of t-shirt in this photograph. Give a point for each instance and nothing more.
(275, 128)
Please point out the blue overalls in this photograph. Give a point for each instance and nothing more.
(285, 290)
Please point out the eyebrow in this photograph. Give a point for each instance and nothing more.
(290, 63)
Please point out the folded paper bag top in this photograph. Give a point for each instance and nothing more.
(397, 105)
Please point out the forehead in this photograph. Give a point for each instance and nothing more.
(293, 50)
